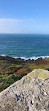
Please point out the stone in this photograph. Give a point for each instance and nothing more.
(31, 93)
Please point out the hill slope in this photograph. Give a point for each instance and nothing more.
(31, 93)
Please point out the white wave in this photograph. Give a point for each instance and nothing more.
(3, 55)
(34, 57)
(26, 58)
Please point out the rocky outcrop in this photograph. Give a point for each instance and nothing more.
(31, 93)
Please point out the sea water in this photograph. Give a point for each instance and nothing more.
(24, 45)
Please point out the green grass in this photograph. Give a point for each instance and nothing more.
(7, 80)
(16, 66)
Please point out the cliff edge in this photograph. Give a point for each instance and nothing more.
(31, 93)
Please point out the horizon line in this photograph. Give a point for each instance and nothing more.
(26, 33)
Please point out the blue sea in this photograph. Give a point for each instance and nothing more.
(24, 45)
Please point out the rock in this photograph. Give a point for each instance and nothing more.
(31, 93)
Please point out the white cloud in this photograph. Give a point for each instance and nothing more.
(11, 20)
(16, 20)
(15, 25)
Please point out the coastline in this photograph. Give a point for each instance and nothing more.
(26, 58)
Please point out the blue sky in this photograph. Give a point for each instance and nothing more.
(24, 16)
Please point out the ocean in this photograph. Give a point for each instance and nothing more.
(24, 46)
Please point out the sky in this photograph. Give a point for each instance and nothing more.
(24, 16)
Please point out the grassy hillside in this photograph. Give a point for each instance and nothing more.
(12, 69)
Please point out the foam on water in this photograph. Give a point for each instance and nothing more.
(35, 58)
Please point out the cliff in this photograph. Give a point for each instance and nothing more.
(31, 93)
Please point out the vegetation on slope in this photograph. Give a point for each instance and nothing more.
(12, 69)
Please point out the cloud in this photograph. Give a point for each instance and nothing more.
(15, 25)
(11, 20)
(16, 20)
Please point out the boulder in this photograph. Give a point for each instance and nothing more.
(31, 93)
